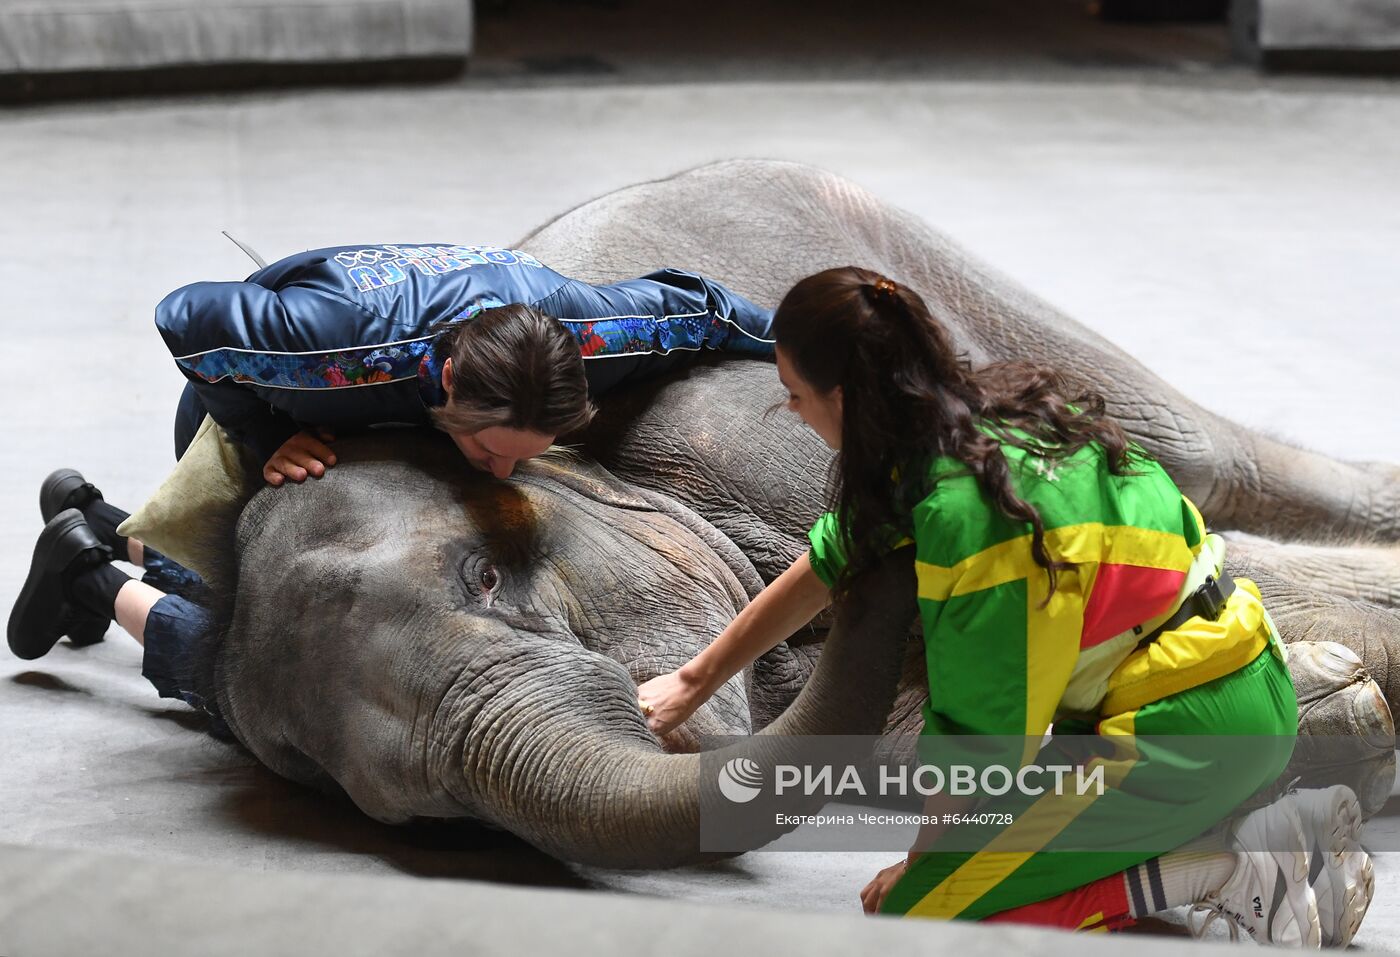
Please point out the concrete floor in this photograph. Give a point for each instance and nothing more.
(1236, 233)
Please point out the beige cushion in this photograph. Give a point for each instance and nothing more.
(187, 516)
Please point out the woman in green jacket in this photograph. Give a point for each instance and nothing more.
(1063, 579)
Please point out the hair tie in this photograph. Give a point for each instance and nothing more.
(885, 287)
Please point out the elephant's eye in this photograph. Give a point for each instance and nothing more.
(483, 580)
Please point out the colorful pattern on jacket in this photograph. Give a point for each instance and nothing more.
(315, 370)
(999, 663)
(643, 335)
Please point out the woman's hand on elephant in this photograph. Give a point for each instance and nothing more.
(667, 700)
(302, 455)
(878, 889)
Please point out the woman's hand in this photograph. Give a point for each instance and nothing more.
(667, 700)
(302, 455)
(875, 892)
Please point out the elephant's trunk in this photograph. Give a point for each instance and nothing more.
(598, 789)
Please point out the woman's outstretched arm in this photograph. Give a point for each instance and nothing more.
(792, 600)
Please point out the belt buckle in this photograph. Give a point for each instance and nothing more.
(1209, 599)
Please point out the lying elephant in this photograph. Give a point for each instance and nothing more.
(436, 643)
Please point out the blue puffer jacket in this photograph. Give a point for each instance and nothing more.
(340, 338)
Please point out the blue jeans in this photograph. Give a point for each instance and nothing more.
(175, 627)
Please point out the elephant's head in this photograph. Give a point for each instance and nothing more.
(437, 643)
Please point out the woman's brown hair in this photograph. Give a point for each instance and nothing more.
(908, 397)
(512, 366)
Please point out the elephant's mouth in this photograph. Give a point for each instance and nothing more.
(725, 715)
(582, 777)
(681, 740)
(696, 734)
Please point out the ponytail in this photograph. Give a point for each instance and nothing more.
(909, 397)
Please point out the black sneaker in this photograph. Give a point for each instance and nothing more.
(63, 489)
(43, 614)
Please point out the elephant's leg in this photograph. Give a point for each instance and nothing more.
(1285, 492)
(1371, 631)
(1347, 695)
(1365, 573)
(1346, 734)
(1303, 612)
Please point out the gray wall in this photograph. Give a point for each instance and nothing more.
(39, 36)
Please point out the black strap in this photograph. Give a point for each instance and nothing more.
(1206, 602)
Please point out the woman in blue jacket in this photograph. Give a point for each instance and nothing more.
(356, 336)
(487, 344)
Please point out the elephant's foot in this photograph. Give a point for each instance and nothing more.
(1303, 611)
(1369, 632)
(1345, 731)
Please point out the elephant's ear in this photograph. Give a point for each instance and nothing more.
(587, 478)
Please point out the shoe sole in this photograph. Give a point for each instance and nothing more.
(56, 489)
(27, 641)
(88, 632)
(1303, 903)
(1334, 824)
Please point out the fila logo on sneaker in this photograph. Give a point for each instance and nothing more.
(1258, 906)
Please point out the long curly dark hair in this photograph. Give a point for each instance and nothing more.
(908, 397)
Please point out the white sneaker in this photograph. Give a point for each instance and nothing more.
(1268, 895)
(1341, 874)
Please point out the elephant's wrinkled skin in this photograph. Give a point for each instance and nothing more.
(437, 643)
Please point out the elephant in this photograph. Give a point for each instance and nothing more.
(434, 643)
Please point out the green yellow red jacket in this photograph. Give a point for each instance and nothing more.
(1000, 660)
